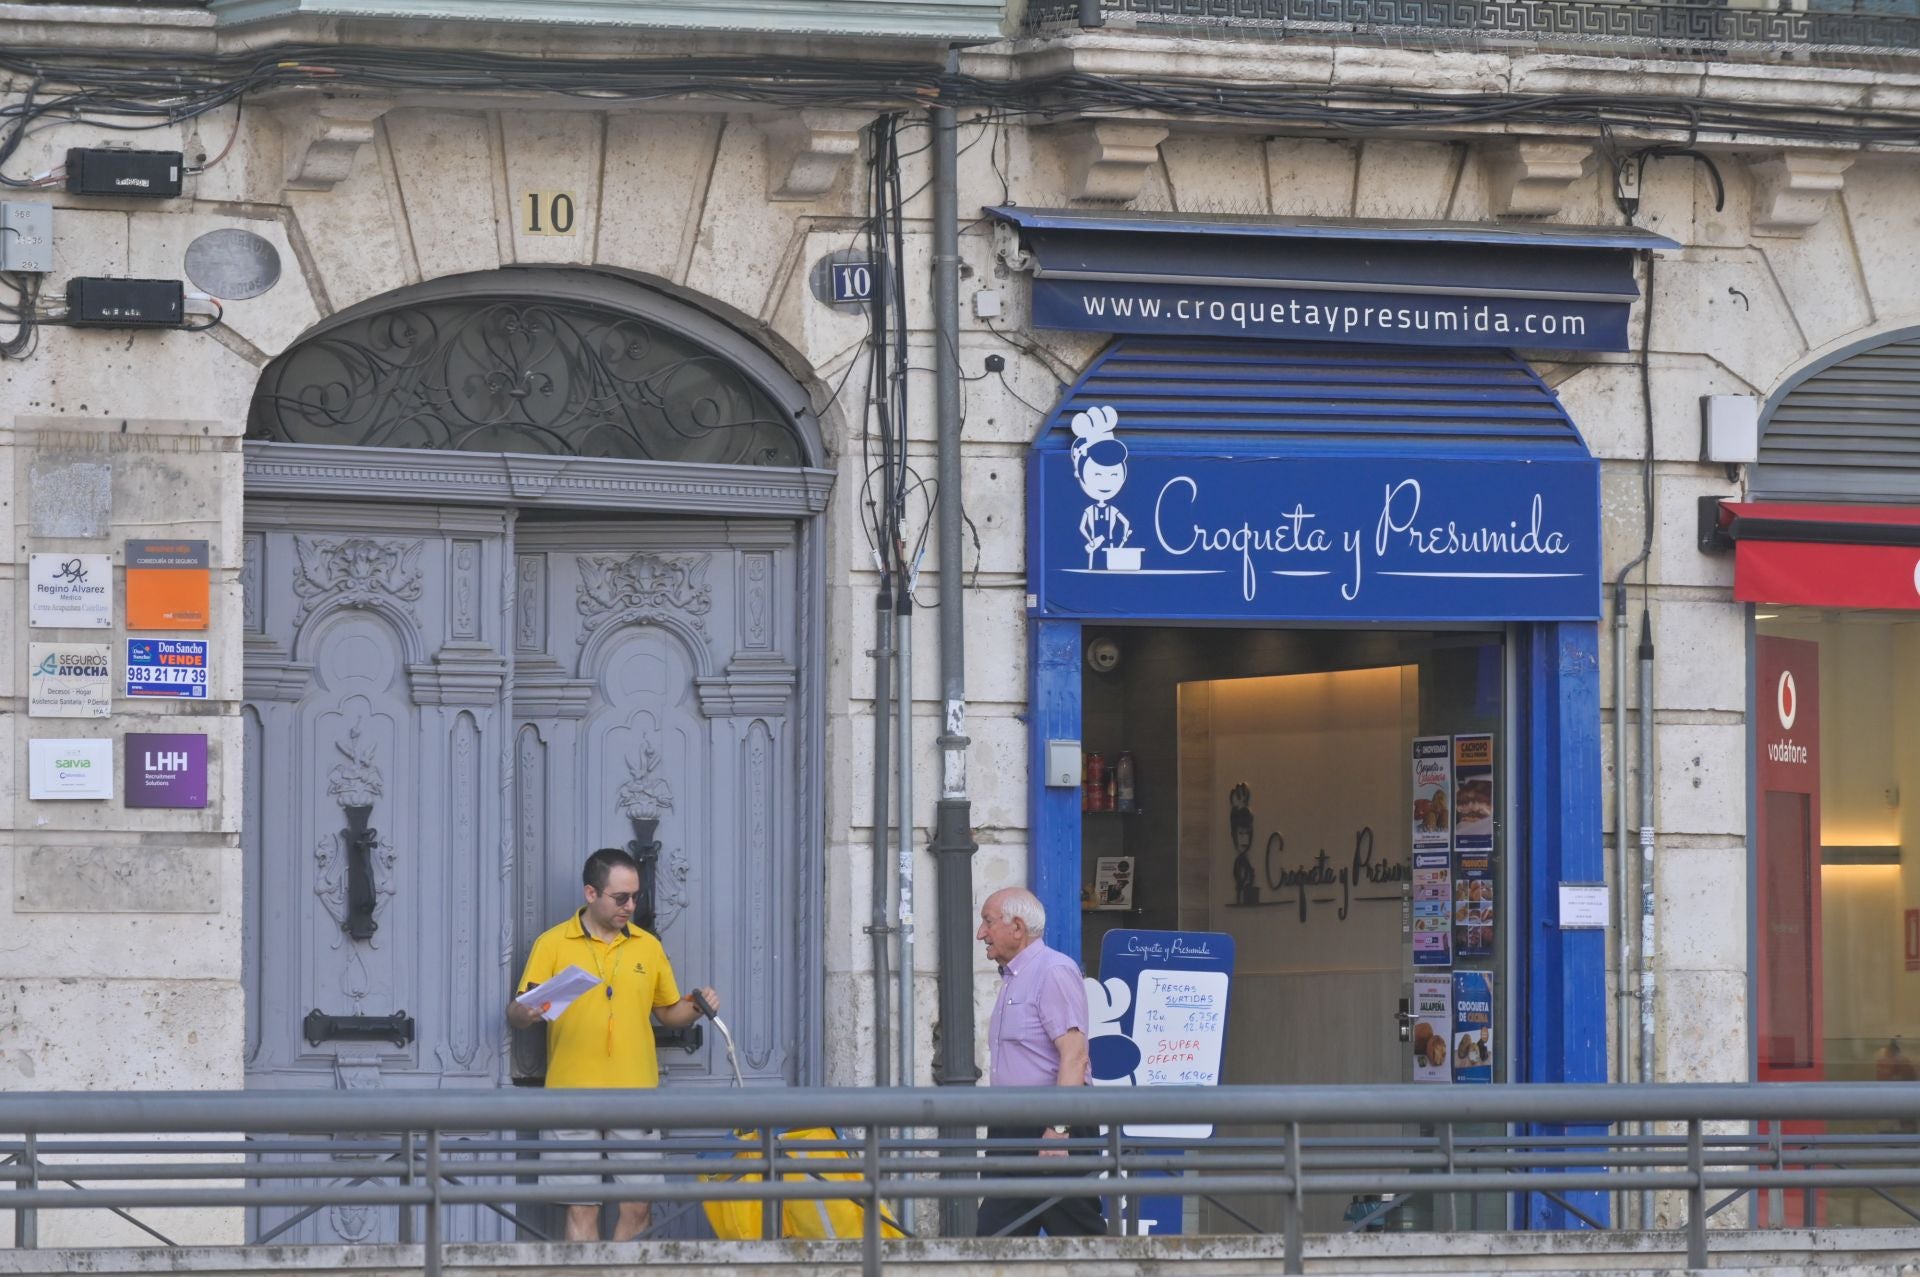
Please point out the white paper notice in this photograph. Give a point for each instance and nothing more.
(558, 993)
(1180, 1025)
(1583, 905)
(69, 769)
(74, 591)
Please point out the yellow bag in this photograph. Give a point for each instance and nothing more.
(814, 1220)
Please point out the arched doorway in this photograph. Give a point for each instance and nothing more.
(532, 567)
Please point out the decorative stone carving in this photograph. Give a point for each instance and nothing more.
(1531, 179)
(253, 604)
(357, 571)
(807, 149)
(459, 674)
(647, 794)
(530, 603)
(1794, 189)
(1108, 159)
(463, 878)
(357, 782)
(322, 139)
(466, 589)
(644, 586)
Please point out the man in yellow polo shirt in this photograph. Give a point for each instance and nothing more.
(605, 1038)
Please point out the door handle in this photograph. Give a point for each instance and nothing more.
(1405, 1018)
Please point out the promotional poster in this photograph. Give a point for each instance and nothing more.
(1432, 1028)
(1472, 1026)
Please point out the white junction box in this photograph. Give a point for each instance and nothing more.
(1063, 764)
(1730, 429)
(26, 237)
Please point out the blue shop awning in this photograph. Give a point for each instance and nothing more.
(1278, 481)
(1342, 281)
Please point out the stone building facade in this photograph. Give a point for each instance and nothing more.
(129, 956)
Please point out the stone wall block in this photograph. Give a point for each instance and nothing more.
(1701, 896)
(1677, 559)
(1667, 198)
(181, 493)
(251, 170)
(1702, 1027)
(1678, 383)
(551, 153)
(1700, 656)
(272, 321)
(1309, 177)
(70, 495)
(1604, 402)
(1723, 222)
(85, 242)
(118, 878)
(742, 237)
(1621, 518)
(654, 190)
(1882, 202)
(1726, 305)
(1702, 774)
(445, 164)
(13, 640)
(357, 231)
(321, 140)
(166, 1034)
(1405, 179)
(1217, 174)
(1822, 280)
(116, 379)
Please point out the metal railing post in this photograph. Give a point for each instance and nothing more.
(1447, 1208)
(1293, 1205)
(1118, 1204)
(1696, 1195)
(432, 1259)
(870, 1227)
(772, 1212)
(407, 1179)
(26, 1222)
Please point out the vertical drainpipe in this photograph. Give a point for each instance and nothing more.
(953, 844)
(1625, 905)
(1647, 978)
(878, 928)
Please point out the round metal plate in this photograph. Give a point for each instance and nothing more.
(232, 264)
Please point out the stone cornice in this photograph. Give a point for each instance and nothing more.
(404, 474)
(1216, 59)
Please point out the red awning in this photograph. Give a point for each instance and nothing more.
(1819, 555)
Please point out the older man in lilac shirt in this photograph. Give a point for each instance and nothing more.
(1037, 1037)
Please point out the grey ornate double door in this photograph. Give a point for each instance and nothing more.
(447, 708)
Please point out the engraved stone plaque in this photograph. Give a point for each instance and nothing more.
(232, 264)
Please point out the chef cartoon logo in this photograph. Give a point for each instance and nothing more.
(1100, 468)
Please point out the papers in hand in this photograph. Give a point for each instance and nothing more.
(558, 993)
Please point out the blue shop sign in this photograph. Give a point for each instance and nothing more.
(1348, 281)
(1315, 538)
(1306, 314)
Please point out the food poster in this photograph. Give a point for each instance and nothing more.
(1473, 796)
(1432, 793)
(1432, 909)
(1472, 1026)
(1432, 1028)
(1473, 905)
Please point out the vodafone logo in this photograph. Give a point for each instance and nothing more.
(1787, 700)
(1916, 576)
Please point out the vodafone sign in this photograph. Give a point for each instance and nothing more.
(1787, 741)
(1820, 556)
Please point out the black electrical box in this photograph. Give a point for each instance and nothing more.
(125, 303)
(108, 171)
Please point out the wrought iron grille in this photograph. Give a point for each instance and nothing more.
(1827, 30)
(559, 377)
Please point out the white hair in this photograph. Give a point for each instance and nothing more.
(1018, 902)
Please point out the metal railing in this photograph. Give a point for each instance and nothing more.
(1826, 30)
(1565, 1146)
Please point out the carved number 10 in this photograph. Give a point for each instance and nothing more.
(549, 213)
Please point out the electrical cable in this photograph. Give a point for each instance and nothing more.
(123, 89)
